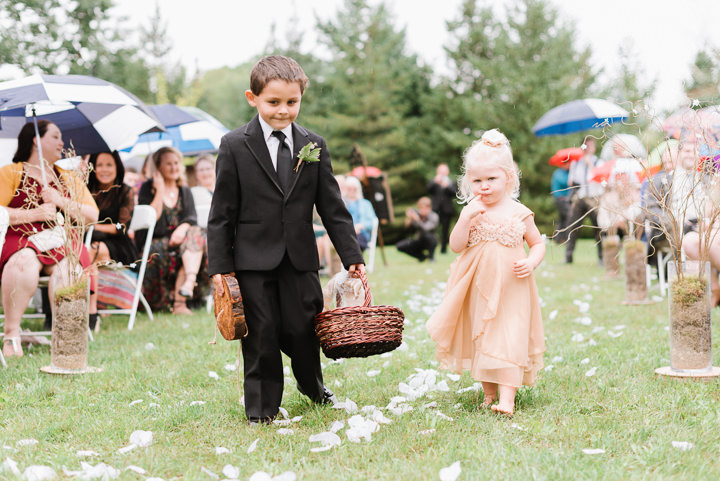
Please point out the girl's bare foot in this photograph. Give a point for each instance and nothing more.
(503, 408)
(490, 390)
(488, 401)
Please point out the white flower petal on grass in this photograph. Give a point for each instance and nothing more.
(593, 451)
(388, 354)
(39, 473)
(427, 431)
(285, 431)
(286, 370)
(221, 450)
(153, 405)
(136, 469)
(348, 405)
(336, 426)
(474, 387)
(591, 372)
(557, 359)
(553, 314)
(380, 418)
(518, 427)
(585, 361)
(620, 327)
(28, 442)
(326, 439)
(154, 479)
(87, 452)
(260, 476)
(209, 473)
(101, 471)
(253, 446)
(585, 321)
(213, 375)
(454, 377)
(137, 401)
(127, 448)
(230, 367)
(286, 476)
(230, 471)
(592, 342)
(373, 372)
(597, 329)
(197, 403)
(283, 412)
(443, 416)
(682, 445)
(577, 337)
(360, 428)
(614, 334)
(658, 298)
(549, 367)
(10, 466)
(450, 473)
(149, 346)
(141, 439)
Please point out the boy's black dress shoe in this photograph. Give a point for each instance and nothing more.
(259, 421)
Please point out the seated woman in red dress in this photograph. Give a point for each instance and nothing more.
(32, 207)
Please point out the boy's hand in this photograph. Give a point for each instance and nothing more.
(522, 268)
(218, 283)
(356, 269)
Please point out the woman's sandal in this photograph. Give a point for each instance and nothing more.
(16, 346)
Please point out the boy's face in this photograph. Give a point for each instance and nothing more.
(278, 104)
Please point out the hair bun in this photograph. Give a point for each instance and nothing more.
(494, 138)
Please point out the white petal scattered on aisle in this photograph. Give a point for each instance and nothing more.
(136, 469)
(230, 471)
(557, 359)
(101, 471)
(443, 416)
(518, 427)
(327, 440)
(454, 377)
(209, 473)
(253, 446)
(285, 431)
(221, 450)
(585, 361)
(230, 367)
(349, 406)
(197, 403)
(283, 412)
(373, 372)
(450, 473)
(553, 314)
(360, 428)
(28, 442)
(591, 372)
(549, 367)
(137, 401)
(141, 439)
(593, 451)
(213, 375)
(87, 452)
(614, 334)
(577, 337)
(149, 346)
(39, 473)
(10, 466)
(682, 445)
(336, 426)
(427, 431)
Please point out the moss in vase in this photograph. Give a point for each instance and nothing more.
(74, 291)
(688, 291)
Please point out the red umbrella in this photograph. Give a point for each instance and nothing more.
(361, 172)
(610, 168)
(563, 156)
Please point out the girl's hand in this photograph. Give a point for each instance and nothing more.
(522, 268)
(474, 208)
(45, 212)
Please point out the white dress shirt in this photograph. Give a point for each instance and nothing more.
(273, 142)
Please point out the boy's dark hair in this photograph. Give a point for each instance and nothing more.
(276, 67)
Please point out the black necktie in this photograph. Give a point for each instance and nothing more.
(284, 159)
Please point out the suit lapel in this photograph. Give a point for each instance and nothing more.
(255, 141)
(300, 139)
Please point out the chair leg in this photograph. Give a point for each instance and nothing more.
(661, 274)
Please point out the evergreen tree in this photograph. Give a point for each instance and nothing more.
(704, 84)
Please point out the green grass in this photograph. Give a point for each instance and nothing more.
(624, 409)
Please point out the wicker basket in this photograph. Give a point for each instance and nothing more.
(359, 331)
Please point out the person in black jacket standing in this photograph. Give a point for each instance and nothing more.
(443, 192)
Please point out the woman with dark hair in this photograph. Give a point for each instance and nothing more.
(116, 201)
(32, 206)
(177, 267)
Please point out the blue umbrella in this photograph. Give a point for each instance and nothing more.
(577, 116)
(189, 129)
(94, 115)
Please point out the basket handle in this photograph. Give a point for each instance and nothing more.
(366, 289)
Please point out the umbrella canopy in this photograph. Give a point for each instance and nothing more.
(577, 116)
(631, 145)
(563, 156)
(703, 125)
(361, 172)
(607, 171)
(93, 115)
(189, 129)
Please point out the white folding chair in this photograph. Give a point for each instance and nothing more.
(203, 212)
(144, 217)
(664, 255)
(372, 244)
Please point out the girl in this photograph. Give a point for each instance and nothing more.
(489, 321)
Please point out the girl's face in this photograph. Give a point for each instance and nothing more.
(688, 156)
(105, 169)
(488, 181)
(205, 174)
(170, 166)
(52, 144)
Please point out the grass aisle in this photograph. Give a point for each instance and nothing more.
(600, 394)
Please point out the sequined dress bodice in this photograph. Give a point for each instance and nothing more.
(508, 233)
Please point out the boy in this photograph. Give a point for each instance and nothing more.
(424, 221)
(260, 229)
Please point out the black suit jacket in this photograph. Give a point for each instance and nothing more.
(253, 222)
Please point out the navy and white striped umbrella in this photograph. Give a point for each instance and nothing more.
(577, 116)
(93, 115)
(189, 129)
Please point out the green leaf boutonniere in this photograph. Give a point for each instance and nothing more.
(309, 153)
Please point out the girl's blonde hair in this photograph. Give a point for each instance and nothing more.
(492, 148)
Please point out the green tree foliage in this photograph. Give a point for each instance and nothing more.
(704, 83)
(508, 71)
